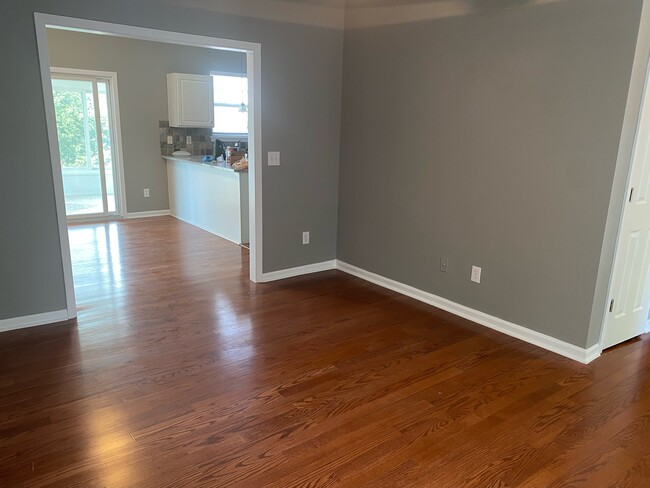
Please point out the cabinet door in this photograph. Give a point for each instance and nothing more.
(191, 100)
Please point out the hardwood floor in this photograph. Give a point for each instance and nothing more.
(182, 373)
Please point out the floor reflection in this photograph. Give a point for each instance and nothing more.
(158, 322)
(235, 332)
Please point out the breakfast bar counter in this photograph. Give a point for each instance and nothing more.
(211, 196)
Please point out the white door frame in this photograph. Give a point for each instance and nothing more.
(254, 64)
(638, 90)
(116, 135)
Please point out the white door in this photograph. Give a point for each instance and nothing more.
(630, 290)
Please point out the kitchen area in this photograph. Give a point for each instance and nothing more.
(207, 177)
(173, 141)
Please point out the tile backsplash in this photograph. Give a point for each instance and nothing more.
(201, 140)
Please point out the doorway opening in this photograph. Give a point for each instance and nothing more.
(85, 106)
(108, 198)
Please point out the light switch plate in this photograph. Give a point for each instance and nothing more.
(274, 158)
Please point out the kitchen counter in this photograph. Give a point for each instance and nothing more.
(220, 165)
(211, 196)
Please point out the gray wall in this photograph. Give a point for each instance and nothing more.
(301, 76)
(141, 69)
(490, 139)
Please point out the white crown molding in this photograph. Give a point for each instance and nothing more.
(317, 13)
(360, 14)
(365, 17)
(532, 337)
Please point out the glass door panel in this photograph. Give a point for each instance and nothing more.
(75, 120)
(84, 126)
(107, 143)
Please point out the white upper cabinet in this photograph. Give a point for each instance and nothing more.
(191, 100)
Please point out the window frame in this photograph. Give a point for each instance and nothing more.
(228, 135)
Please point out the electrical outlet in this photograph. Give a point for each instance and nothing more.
(170, 140)
(188, 139)
(443, 264)
(476, 274)
(274, 158)
(146, 192)
(305, 237)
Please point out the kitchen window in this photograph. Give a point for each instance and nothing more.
(230, 105)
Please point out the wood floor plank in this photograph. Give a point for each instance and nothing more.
(180, 372)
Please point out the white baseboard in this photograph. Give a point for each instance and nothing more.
(300, 270)
(591, 353)
(33, 320)
(150, 213)
(191, 222)
(537, 338)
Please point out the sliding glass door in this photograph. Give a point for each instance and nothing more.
(84, 108)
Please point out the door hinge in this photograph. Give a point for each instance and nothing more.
(611, 305)
(631, 193)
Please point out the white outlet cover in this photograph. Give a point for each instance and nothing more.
(476, 274)
(274, 158)
(305, 237)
